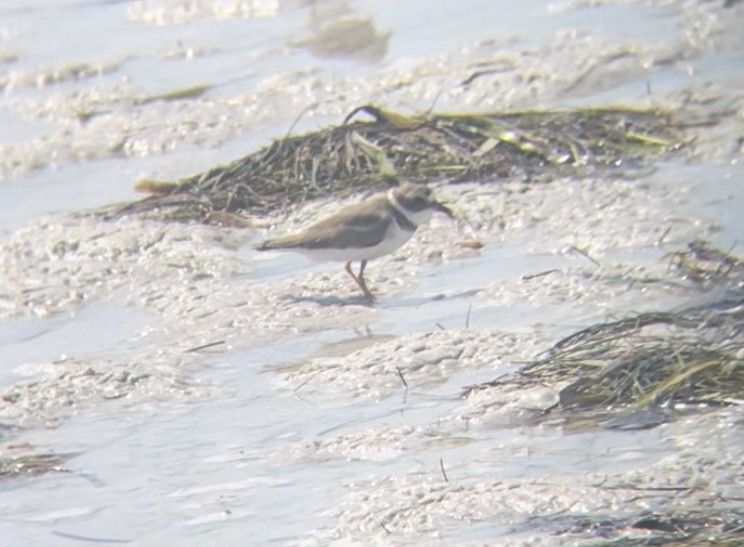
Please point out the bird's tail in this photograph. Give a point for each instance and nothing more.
(285, 242)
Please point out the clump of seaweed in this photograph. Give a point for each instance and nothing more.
(31, 464)
(656, 360)
(704, 264)
(369, 155)
(704, 526)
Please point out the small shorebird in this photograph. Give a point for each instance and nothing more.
(370, 229)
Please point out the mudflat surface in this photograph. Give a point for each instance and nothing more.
(196, 391)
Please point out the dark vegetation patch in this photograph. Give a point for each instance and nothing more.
(722, 526)
(637, 371)
(366, 155)
(21, 461)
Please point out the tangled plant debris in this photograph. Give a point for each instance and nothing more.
(699, 527)
(650, 364)
(20, 460)
(367, 155)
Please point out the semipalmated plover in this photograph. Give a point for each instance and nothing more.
(370, 229)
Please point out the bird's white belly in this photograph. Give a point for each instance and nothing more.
(394, 238)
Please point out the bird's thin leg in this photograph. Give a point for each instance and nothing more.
(362, 284)
(347, 267)
(358, 279)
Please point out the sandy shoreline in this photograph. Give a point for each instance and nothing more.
(601, 240)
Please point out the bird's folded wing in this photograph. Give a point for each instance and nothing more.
(363, 228)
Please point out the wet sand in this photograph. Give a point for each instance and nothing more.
(235, 391)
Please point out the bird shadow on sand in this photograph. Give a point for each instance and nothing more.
(382, 301)
(417, 301)
(327, 301)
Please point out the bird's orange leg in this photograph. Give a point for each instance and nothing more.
(359, 279)
(362, 283)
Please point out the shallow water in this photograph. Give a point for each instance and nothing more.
(96, 330)
(719, 194)
(198, 473)
(128, 484)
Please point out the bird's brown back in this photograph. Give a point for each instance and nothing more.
(361, 224)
